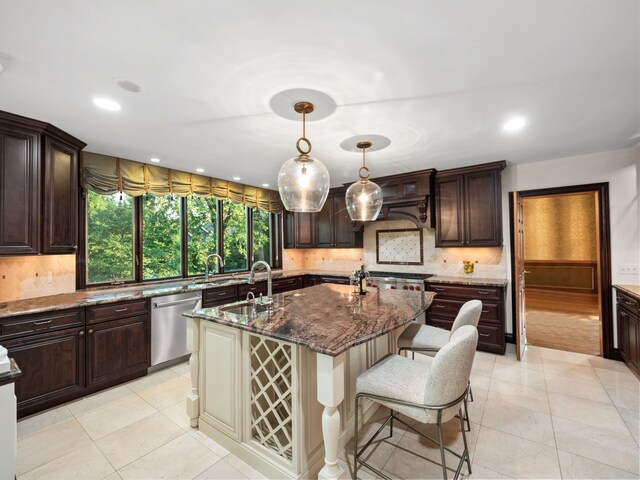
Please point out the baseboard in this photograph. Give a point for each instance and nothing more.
(509, 338)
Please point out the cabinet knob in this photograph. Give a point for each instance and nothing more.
(91, 330)
(81, 333)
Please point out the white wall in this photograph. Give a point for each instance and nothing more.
(620, 168)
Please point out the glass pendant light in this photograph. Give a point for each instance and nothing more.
(303, 181)
(364, 197)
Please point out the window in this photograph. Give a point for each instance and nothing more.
(109, 238)
(260, 224)
(161, 253)
(234, 221)
(135, 239)
(202, 232)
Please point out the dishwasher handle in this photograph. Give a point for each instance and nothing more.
(176, 302)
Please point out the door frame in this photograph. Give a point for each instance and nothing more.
(604, 255)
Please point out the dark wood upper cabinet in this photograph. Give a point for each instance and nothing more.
(60, 197)
(38, 187)
(19, 189)
(330, 228)
(469, 206)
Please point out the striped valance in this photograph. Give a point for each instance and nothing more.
(107, 175)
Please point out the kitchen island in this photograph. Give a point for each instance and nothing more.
(269, 384)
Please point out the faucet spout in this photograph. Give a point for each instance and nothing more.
(252, 275)
(220, 264)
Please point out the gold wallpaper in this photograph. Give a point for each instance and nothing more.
(561, 227)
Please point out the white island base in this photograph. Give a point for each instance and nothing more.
(279, 406)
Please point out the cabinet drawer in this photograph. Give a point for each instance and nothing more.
(257, 289)
(100, 313)
(491, 338)
(468, 293)
(285, 284)
(628, 302)
(26, 325)
(444, 307)
(214, 296)
(338, 280)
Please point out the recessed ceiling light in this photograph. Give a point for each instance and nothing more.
(236, 178)
(199, 170)
(514, 124)
(265, 184)
(155, 160)
(107, 104)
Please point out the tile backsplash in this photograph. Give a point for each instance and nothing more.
(489, 262)
(28, 276)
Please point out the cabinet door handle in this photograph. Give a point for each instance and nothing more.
(627, 302)
(440, 306)
(91, 330)
(221, 294)
(484, 292)
(623, 313)
(485, 311)
(43, 322)
(439, 289)
(123, 309)
(484, 334)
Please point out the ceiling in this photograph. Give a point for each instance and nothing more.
(439, 78)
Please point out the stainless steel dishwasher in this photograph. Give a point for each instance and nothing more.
(169, 328)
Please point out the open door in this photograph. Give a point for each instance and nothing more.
(518, 262)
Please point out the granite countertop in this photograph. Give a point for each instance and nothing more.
(630, 289)
(327, 318)
(12, 375)
(467, 280)
(134, 292)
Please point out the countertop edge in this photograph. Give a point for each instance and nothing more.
(633, 290)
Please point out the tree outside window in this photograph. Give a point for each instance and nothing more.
(234, 222)
(202, 232)
(161, 253)
(109, 238)
(261, 235)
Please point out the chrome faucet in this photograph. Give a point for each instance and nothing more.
(253, 273)
(206, 265)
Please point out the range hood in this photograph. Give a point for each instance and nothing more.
(409, 196)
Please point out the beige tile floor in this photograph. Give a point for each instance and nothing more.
(554, 415)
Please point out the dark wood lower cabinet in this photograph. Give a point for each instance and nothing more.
(117, 349)
(52, 366)
(628, 320)
(450, 297)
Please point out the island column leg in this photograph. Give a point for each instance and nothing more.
(193, 344)
(330, 373)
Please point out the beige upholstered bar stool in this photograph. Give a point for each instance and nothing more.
(429, 340)
(430, 393)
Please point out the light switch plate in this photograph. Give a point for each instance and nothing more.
(628, 268)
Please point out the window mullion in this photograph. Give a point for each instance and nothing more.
(137, 222)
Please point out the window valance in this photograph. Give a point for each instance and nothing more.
(107, 175)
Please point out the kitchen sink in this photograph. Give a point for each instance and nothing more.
(244, 310)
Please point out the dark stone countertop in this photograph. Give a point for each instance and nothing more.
(466, 280)
(327, 318)
(12, 375)
(104, 295)
(633, 290)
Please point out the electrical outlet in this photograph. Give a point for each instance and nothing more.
(628, 268)
(49, 277)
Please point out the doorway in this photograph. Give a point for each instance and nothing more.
(563, 294)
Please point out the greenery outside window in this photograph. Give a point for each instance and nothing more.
(234, 224)
(110, 238)
(161, 224)
(135, 239)
(261, 235)
(202, 232)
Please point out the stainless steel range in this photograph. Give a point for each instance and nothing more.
(397, 280)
